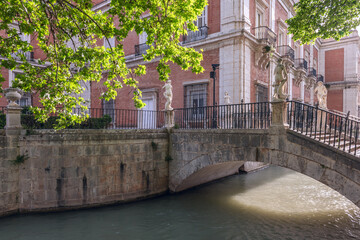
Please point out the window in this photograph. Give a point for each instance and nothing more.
(195, 97)
(109, 108)
(202, 19)
(281, 40)
(25, 100)
(259, 18)
(307, 57)
(262, 94)
(315, 64)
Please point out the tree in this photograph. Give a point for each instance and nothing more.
(324, 19)
(67, 32)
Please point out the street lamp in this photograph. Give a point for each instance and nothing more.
(213, 76)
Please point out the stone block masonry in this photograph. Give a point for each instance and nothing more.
(82, 168)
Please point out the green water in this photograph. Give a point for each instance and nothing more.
(275, 203)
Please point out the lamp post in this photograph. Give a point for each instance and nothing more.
(213, 76)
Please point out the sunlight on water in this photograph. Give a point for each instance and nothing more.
(294, 194)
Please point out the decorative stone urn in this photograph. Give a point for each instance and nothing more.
(13, 119)
(13, 95)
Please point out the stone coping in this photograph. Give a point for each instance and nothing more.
(97, 131)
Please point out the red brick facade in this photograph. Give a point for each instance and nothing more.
(246, 69)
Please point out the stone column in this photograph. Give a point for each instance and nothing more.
(279, 115)
(13, 115)
(169, 119)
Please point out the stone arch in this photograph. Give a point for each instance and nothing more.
(220, 154)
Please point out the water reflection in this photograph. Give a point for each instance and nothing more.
(271, 204)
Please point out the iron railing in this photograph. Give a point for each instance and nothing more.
(312, 72)
(301, 63)
(265, 34)
(192, 36)
(128, 119)
(141, 49)
(333, 129)
(28, 55)
(319, 77)
(286, 51)
(122, 118)
(245, 115)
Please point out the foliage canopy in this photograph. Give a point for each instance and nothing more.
(324, 19)
(67, 33)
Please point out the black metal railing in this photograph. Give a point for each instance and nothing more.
(245, 115)
(112, 119)
(191, 36)
(312, 72)
(141, 49)
(319, 77)
(265, 34)
(301, 63)
(286, 51)
(336, 130)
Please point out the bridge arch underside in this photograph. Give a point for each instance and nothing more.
(206, 156)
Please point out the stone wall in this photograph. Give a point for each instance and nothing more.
(9, 175)
(85, 168)
(81, 168)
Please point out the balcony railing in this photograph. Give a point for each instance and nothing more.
(202, 33)
(312, 72)
(320, 77)
(286, 51)
(141, 49)
(301, 63)
(265, 34)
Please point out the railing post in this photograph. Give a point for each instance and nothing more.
(13, 115)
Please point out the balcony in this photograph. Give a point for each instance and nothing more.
(29, 55)
(286, 51)
(301, 63)
(312, 72)
(265, 34)
(141, 49)
(320, 77)
(191, 36)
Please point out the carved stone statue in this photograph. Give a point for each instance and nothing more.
(227, 98)
(281, 78)
(321, 94)
(168, 95)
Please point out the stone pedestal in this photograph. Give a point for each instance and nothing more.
(320, 121)
(169, 119)
(13, 118)
(279, 115)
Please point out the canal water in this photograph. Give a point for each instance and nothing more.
(274, 203)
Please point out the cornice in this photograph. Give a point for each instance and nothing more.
(101, 5)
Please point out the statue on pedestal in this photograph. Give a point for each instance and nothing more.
(227, 98)
(281, 78)
(321, 94)
(168, 95)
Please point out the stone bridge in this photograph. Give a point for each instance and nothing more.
(46, 170)
(200, 156)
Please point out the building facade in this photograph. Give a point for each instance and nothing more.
(245, 37)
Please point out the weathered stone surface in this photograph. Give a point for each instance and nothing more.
(81, 168)
(78, 168)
